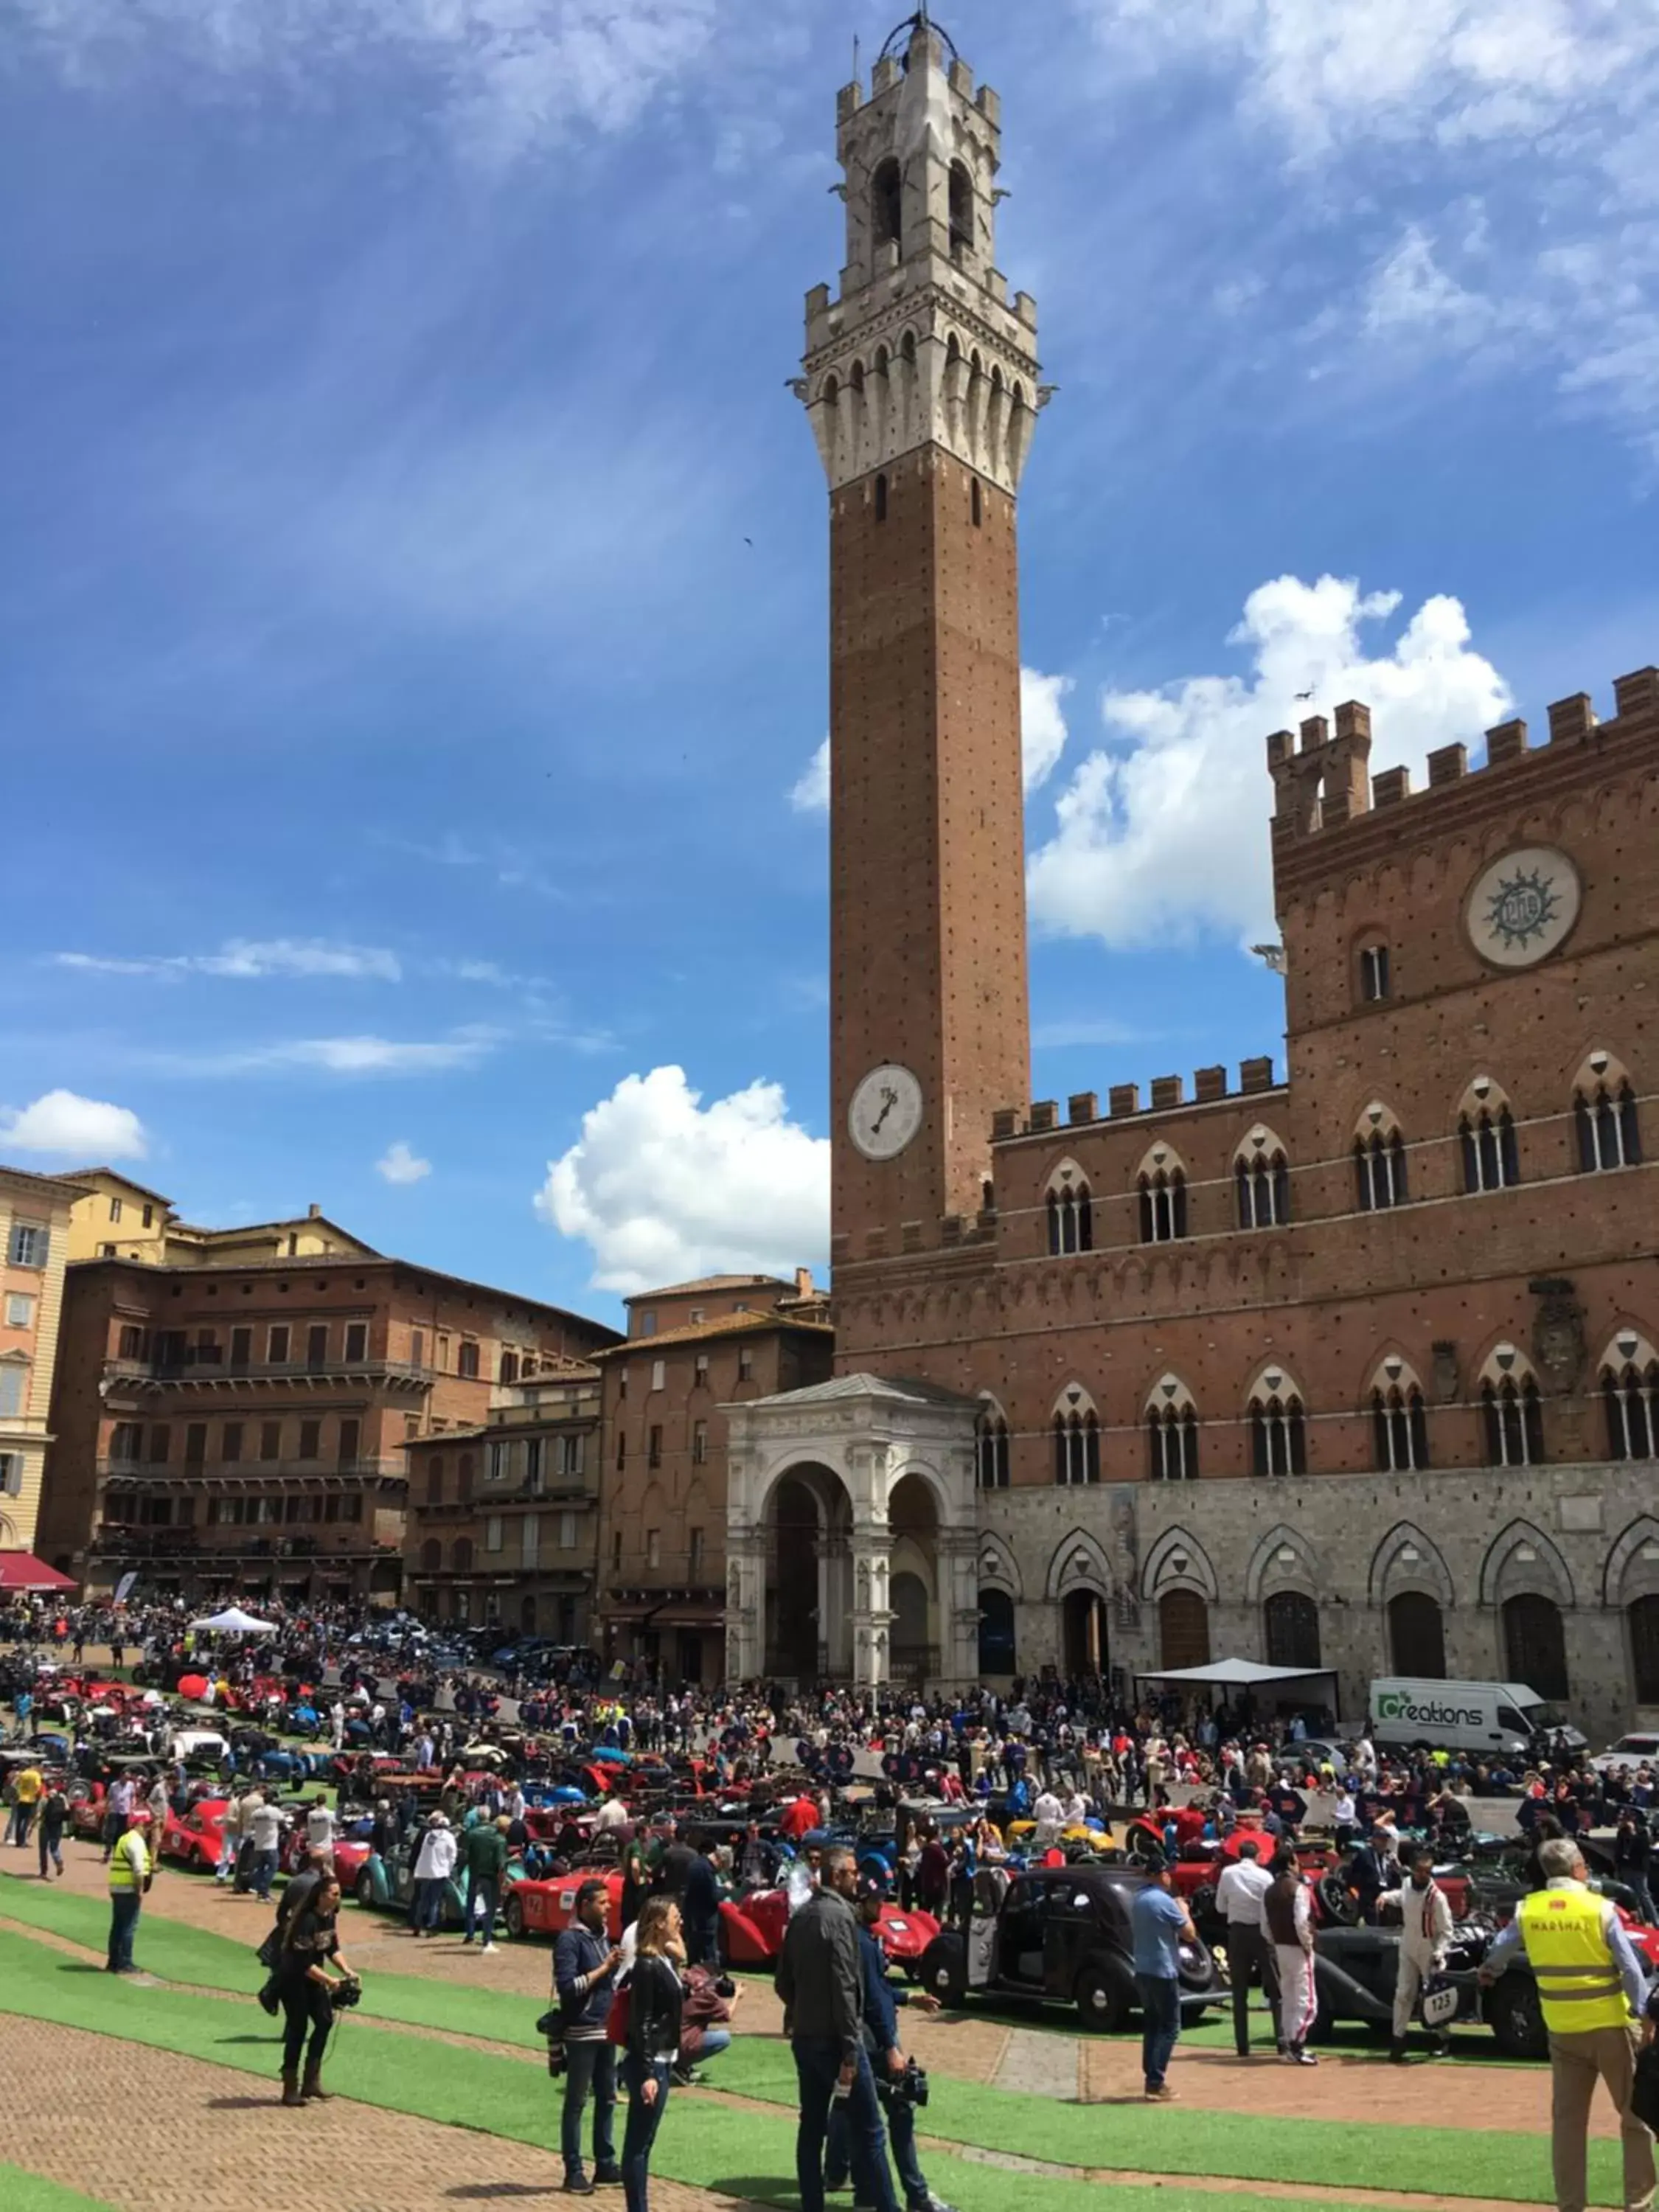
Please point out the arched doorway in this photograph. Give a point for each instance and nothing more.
(1643, 1619)
(1417, 1636)
(1535, 1644)
(527, 1615)
(913, 1585)
(1084, 1641)
(808, 1559)
(996, 1634)
(1183, 1630)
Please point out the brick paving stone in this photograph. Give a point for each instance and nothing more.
(148, 2131)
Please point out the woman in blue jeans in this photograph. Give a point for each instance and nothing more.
(655, 1998)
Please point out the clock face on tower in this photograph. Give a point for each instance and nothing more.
(885, 1112)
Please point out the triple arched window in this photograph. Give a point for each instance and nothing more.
(1070, 1210)
(1163, 1188)
(1077, 1438)
(1486, 1136)
(1379, 1158)
(1172, 1432)
(991, 1455)
(1512, 1410)
(1606, 1124)
(1278, 1429)
(1400, 1420)
(1630, 1397)
(1262, 1177)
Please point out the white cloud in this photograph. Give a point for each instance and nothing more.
(341, 1055)
(1041, 724)
(62, 1121)
(400, 1165)
(509, 75)
(1043, 740)
(1164, 835)
(246, 959)
(810, 794)
(664, 1189)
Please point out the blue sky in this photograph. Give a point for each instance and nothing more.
(404, 746)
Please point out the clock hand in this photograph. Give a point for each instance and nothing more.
(891, 1098)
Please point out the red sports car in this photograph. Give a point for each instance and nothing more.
(543, 1908)
(195, 1840)
(752, 1928)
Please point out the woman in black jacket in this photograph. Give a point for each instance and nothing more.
(654, 2038)
(306, 1989)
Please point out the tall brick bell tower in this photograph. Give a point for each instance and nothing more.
(922, 383)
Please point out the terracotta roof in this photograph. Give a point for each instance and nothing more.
(79, 1174)
(734, 1324)
(713, 1282)
(60, 1186)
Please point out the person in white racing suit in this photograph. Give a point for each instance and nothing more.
(1425, 1933)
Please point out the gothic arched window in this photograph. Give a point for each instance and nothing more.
(1485, 1133)
(1379, 1158)
(887, 203)
(1630, 1397)
(1291, 1618)
(1400, 1424)
(991, 1470)
(1162, 1192)
(962, 210)
(1278, 1429)
(1513, 1411)
(1172, 1439)
(1077, 1438)
(1071, 1213)
(1609, 1128)
(1262, 1176)
(1374, 978)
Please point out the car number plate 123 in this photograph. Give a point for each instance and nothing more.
(1439, 2006)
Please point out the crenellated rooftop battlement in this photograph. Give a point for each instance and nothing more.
(1324, 781)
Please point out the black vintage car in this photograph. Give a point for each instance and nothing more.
(1060, 1933)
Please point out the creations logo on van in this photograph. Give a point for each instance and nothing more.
(1396, 1705)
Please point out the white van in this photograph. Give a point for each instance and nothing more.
(1487, 1718)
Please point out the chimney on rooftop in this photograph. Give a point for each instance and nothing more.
(313, 1211)
(803, 1282)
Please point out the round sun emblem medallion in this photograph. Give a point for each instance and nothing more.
(1523, 907)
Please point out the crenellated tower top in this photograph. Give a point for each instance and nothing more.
(921, 346)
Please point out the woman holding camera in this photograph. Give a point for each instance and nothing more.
(655, 1999)
(307, 1987)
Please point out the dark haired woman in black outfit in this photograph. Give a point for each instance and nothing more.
(307, 1987)
(654, 2038)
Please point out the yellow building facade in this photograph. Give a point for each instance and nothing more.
(35, 1214)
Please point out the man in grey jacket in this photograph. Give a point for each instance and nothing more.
(820, 1982)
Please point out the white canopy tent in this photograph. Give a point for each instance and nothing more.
(233, 1621)
(1271, 1687)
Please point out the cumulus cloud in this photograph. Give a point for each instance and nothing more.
(507, 74)
(1163, 835)
(248, 960)
(62, 1121)
(1043, 740)
(400, 1165)
(810, 793)
(664, 1189)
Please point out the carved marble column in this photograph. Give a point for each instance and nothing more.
(957, 1554)
(745, 1604)
(872, 1547)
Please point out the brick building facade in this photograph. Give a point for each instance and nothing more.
(1354, 1368)
(239, 1429)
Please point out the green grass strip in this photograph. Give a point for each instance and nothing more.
(32, 2192)
(203, 1959)
(714, 2147)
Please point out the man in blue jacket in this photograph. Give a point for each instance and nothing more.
(887, 2060)
(585, 1963)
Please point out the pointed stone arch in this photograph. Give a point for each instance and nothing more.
(999, 1568)
(1521, 1559)
(1632, 1566)
(1268, 1573)
(1078, 1563)
(1393, 1571)
(1178, 1561)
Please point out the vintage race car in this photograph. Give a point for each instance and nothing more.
(87, 1812)
(1060, 1933)
(534, 1907)
(389, 1883)
(195, 1837)
(752, 1929)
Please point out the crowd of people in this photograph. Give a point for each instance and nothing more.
(630, 2019)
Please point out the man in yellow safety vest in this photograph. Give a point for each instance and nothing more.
(130, 1876)
(1594, 1993)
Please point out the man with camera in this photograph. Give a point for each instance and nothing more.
(585, 1963)
(900, 2084)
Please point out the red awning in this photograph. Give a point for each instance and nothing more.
(22, 1571)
